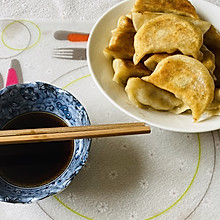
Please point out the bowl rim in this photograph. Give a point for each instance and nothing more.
(16, 194)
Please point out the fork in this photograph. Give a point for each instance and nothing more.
(69, 53)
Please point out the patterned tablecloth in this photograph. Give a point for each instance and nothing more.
(164, 175)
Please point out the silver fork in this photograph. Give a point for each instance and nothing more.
(69, 53)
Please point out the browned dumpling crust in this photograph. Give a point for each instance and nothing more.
(140, 18)
(181, 7)
(168, 33)
(188, 79)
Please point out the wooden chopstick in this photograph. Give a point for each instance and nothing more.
(69, 133)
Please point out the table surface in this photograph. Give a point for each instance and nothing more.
(164, 175)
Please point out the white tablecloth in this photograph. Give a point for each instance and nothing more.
(82, 10)
(164, 175)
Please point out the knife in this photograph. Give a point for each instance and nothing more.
(71, 36)
(1, 81)
(14, 73)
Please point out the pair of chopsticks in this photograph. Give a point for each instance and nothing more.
(69, 133)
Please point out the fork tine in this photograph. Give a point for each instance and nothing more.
(66, 58)
(69, 53)
(63, 51)
(64, 48)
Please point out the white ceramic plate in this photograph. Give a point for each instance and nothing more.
(102, 72)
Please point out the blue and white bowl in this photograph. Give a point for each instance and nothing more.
(41, 97)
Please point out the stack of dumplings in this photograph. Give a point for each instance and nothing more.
(167, 58)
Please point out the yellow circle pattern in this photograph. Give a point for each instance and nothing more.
(7, 26)
(160, 213)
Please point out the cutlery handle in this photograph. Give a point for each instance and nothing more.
(71, 36)
(12, 77)
(75, 37)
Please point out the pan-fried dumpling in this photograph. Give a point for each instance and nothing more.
(153, 60)
(214, 107)
(188, 79)
(181, 7)
(203, 25)
(122, 40)
(125, 23)
(168, 33)
(208, 60)
(212, 41)
(121, 46)
(143, 94)
(217, 95)
(125, 69)
(140, 18)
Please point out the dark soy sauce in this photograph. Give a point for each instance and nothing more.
(34, 164)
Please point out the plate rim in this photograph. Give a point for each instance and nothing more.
(203, 4)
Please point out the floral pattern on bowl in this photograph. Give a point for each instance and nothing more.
(43, 97)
